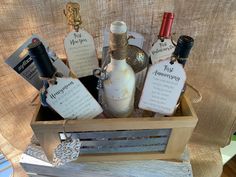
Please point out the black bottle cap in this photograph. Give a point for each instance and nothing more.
(184, 45)
(41, 59)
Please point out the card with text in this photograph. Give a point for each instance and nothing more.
(81, 52)
(161, 50)
(71, 99)
(162, 88)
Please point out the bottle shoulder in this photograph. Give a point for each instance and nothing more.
(120, 76)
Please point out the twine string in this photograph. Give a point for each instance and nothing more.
(118, 45)
(195, 100)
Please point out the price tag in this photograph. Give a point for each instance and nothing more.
(71, 99)
(162, 87)
(81, 53)
(161, 50)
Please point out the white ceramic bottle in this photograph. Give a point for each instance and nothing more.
(119, 88)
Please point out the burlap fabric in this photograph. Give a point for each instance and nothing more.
(211, 67)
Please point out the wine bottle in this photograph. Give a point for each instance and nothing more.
(43, 64)
(163, 47)
(181, 53)
(119, 88)
(65, 95)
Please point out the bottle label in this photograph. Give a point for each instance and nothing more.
(81, 53)
(161, 50)
(162, 87)
(71, 99)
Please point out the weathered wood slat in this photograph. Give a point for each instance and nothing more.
(106, 150)
(118, 134)
(126, 143)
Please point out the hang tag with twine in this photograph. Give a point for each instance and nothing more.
(81, 53)
(69, 98)
(164, 83)
(161, 50)
(67, 151)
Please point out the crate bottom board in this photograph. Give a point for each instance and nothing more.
(130, 156)
(35, 164)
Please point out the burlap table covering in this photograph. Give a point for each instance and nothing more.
(211, 67)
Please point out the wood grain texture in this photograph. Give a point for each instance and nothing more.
(229, 168)
(211, 67)
(151, 168)
(47, 132)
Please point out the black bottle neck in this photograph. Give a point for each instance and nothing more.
(183, 48)
(41, 59)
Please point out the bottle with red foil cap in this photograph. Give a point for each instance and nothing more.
(163, 47)
(167, 21)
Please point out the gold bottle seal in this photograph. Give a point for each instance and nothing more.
(73, 15)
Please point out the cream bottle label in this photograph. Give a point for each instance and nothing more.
(161, 50)
(71, 99)
(162, 87)
(81, 53)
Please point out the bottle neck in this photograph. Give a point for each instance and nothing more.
(167, 21)
(182, 61)
(118, 63)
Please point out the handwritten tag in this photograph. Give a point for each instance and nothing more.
(81, 53)
(162, 87)
(71, 100)
(161, 50)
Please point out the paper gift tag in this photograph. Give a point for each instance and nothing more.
(81, 53)
(67, 151)
(71, 99)
(162, 87)
(161, 50)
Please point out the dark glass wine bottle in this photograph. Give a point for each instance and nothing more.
(181, 53)
(44, 66)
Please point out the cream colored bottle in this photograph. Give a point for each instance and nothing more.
(119, 88)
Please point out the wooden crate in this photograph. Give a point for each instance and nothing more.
(116, 139)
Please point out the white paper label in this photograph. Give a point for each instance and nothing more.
(161, 50)
(81, 53)
(71, 99)
(162, 87)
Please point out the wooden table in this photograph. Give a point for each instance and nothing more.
(35, 164)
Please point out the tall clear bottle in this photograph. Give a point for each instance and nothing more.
(119, 88)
